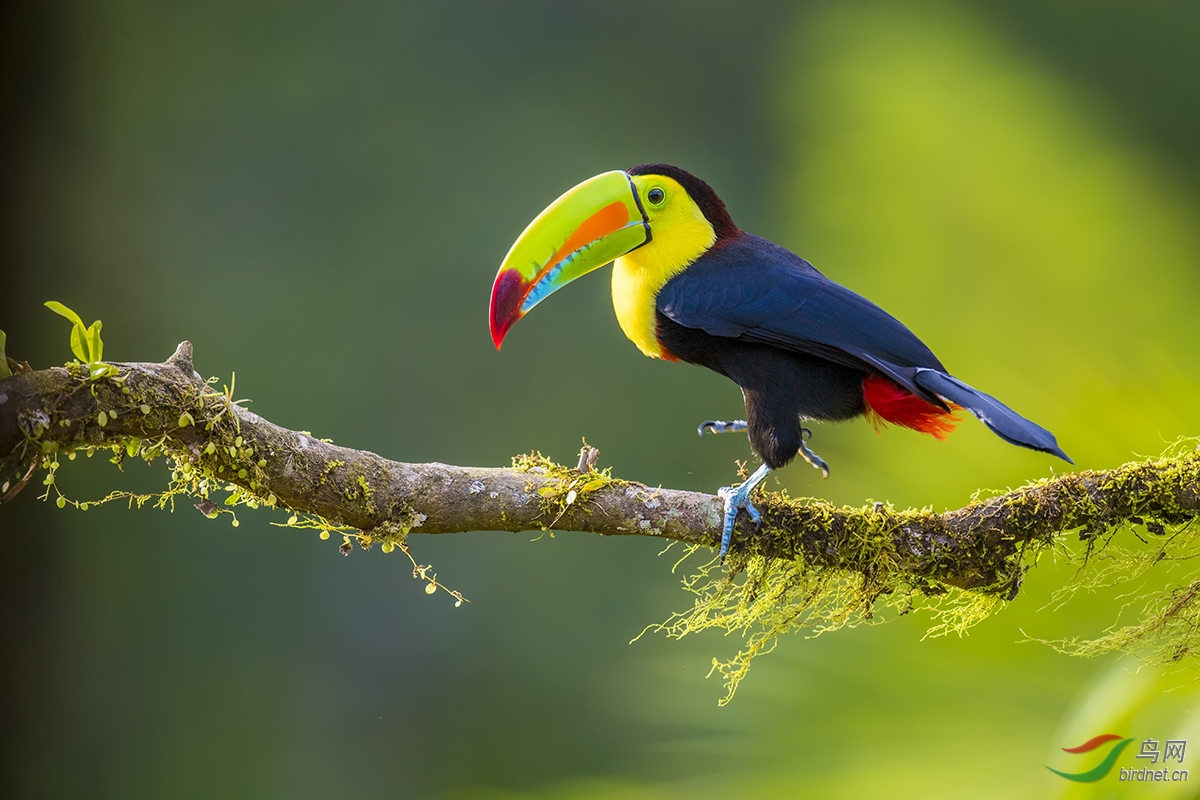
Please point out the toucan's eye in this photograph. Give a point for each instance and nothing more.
(656, 196)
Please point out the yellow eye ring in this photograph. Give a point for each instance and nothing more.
(656, 196)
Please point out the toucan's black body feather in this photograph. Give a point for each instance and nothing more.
(800, 346)
(780, 387)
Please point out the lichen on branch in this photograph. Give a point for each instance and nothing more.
(813, 566)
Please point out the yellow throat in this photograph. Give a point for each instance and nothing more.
(681, 234)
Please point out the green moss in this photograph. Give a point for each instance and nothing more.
(566, 488)
(331, 466)
(856, 572)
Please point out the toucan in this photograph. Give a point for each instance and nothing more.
(689, 285)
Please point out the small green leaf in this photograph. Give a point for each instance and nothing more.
(63, 311)
(77, 337)
(78, 331)
(95, 343)
(4, 370)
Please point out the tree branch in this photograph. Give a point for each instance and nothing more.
(167, 407)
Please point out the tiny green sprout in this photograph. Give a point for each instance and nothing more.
(83, 506)
(112, 414)
(102, 419)
(145, 409)
(262, 462)
(242, 473)
(239, 441)
(293, 519)
(324, 536)
(186, 419)
(387, 547)
(235, 522)
(61, 502)
(430, 588)
(458, 603)
(86, 343)
(212, 448)
(71, 456)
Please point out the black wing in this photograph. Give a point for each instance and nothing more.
(756, 291)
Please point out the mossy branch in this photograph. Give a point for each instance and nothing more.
(169, 404)
(812, 566)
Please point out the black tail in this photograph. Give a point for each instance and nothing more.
(1002, 420)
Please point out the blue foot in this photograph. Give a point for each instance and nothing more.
(721, 426)
(736, 499)
(811, 457)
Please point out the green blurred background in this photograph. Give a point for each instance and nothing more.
(318, 195)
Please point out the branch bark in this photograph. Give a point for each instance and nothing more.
(169, 404)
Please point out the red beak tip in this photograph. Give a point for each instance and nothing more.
(508, 292)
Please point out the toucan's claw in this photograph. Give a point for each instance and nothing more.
(812, 457)
(737, 498)
(721, 426)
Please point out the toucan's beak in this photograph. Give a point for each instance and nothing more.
(598, 221)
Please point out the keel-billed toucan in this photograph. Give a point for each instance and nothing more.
(689, 285)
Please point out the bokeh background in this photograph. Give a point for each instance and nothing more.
(318, 195)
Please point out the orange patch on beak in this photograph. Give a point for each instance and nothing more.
(609, 219)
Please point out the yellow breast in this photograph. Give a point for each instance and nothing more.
(681, 234)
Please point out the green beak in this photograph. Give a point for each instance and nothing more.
(595, 223)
